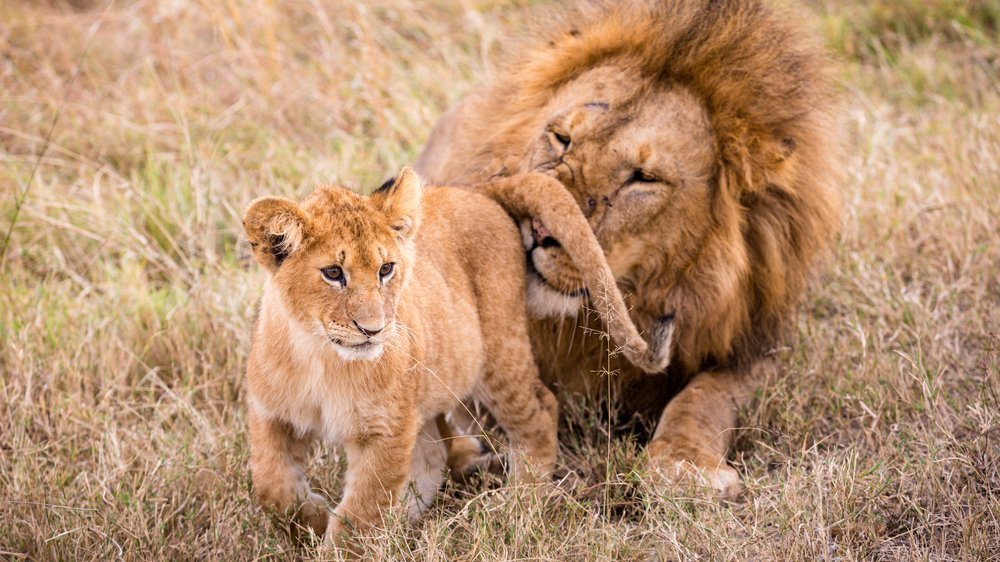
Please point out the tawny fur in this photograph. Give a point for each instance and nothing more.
(701, 139)
(383, 312)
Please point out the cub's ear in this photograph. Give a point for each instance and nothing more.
(276, 227)
(400, 200)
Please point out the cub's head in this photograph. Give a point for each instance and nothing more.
(339, 260)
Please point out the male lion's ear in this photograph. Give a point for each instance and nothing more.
(401, 202)
(276, 227)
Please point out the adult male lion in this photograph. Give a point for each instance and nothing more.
(700, 139)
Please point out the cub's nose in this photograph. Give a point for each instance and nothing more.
(368, 331)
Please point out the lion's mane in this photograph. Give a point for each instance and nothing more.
(773, 107)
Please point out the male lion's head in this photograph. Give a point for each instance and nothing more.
(339, 260)
(698, 137)
(639, 168)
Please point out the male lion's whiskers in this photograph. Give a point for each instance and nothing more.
(576, 318)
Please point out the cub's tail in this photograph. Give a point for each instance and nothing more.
(544, 198)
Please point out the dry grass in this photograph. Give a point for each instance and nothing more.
(127, 296)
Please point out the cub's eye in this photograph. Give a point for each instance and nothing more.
(641, 176)
(386, 270)
(562, 137)
(333, 274)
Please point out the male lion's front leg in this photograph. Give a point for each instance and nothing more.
(696, 430)
(377, 468)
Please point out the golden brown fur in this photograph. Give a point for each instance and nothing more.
(700, 138)
(380, 314)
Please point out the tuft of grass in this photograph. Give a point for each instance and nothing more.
(128, 292)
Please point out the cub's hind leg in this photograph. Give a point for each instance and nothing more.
(277, 467)
(466, 452)
(513, 392)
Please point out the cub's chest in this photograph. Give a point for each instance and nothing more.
(333, 405)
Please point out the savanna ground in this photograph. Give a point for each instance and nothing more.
(133, 135)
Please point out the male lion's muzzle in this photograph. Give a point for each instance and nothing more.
(549, 262)
(541, 236)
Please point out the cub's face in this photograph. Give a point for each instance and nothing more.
(340, 261)
(639, 163)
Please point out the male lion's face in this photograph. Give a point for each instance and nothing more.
(639, 162)
(341, 277)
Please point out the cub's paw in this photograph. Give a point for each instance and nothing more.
(468, 458)
(313, 514)
(340, 542)
(685, 477)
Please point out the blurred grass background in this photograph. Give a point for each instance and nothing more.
(127, 293)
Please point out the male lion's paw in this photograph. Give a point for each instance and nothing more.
(682, 476)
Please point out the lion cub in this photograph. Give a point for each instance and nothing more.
(382, 312)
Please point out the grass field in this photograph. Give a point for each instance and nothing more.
(132, 136)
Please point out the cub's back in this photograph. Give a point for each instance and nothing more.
(470, 231)
(469, 287)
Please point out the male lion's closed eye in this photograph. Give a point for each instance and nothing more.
(562, 137)
(642, 176)
(559, 139)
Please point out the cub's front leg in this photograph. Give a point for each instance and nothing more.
(377, 470)
(277, 466)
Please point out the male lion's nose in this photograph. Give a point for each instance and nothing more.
(368, 331)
